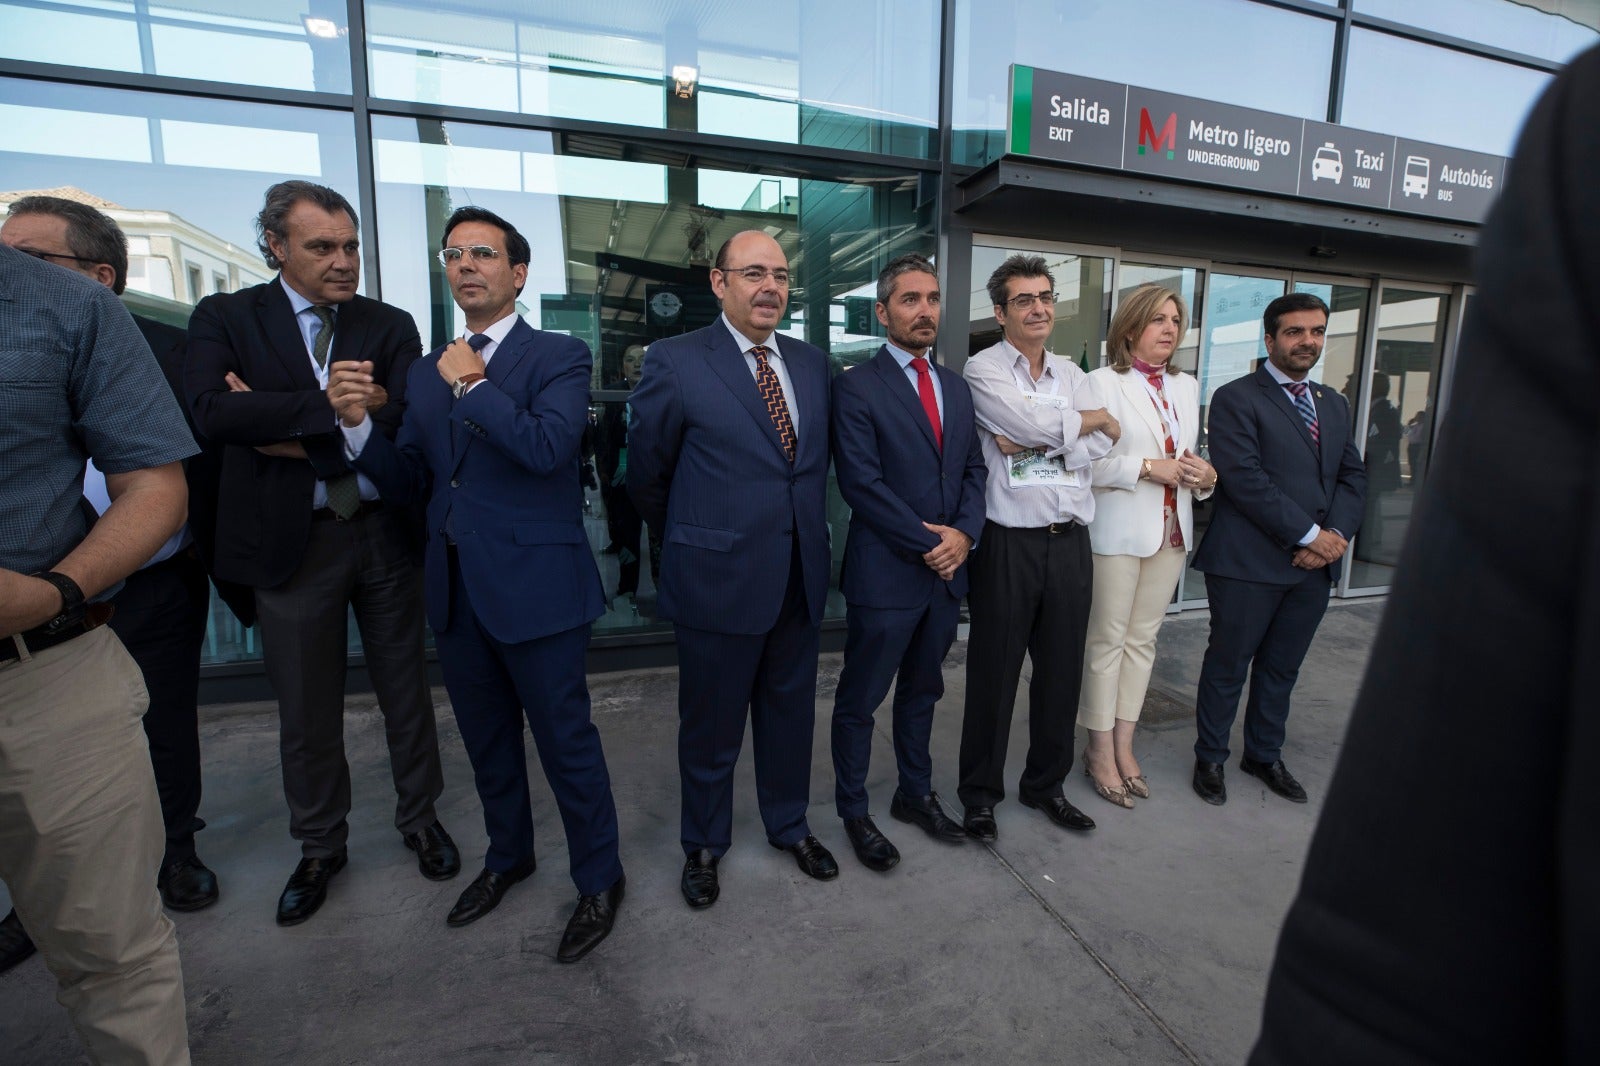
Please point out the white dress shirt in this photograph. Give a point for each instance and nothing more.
(1285, 380)
(310, 324)
(1002, 383)
(775, 361)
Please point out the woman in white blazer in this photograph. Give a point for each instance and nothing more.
(1144, 492)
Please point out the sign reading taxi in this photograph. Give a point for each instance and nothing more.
(1125, 127)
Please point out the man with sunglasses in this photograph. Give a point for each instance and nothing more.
(492, 439)
(314, 538)
(1030, 581)
(728, 459)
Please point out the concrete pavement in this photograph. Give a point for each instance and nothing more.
(1147, 941)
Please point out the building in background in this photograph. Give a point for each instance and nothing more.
(629, 139)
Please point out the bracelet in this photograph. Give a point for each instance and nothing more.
(1144, 471)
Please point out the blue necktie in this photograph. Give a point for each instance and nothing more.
(1308, 410)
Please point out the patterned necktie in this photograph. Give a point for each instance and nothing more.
(344, 491)
(1169, 499)
(930, 402)
(772, 394)
(1308, 410)
(324, 337)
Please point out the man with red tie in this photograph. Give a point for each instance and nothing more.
(906, 450)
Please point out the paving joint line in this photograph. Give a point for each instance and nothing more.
(1127, 989)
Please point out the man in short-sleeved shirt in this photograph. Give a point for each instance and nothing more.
(77, 380)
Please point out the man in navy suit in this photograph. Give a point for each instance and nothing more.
(910, 467)
(496, 423)
(1290, 494)
(728, 458)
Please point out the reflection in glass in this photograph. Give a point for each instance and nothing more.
(785, 76)
(1551, 29)
(1234, 51)
(1483, 109)
(183, 178)
(1083, 303)
(621, 258)
(1410, 350)
(283, 44)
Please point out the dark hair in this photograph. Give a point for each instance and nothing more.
(92, 236)
(905, 264)
(1017, 266)
(1294, 301)
(274, 217)
(517, 247)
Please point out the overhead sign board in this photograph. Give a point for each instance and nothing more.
(1097, 123)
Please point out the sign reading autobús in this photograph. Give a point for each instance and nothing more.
(1451, 182)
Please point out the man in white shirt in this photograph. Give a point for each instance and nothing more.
(1031, 579)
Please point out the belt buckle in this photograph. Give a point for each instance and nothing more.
(17, 644)
(1058, 527)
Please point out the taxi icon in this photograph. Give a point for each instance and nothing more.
(1327, 163)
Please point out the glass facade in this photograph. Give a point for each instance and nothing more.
(629, 138)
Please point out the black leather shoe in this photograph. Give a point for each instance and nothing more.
(187, 884)
(1208, 782)
(699, 884)
(307, 888)
(1277, 777)
(871, 846)
(15, 943)
(927, 814)
(437, 856)
(591, 922)
(1059, 811)
(486, 892)
(814, 859)
(978, 823)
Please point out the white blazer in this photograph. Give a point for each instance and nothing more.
(1127, 511)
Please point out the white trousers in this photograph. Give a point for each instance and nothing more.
(1130, 601)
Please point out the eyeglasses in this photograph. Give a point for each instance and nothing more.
(481, 253)
(53, 255)
(1026, 301)
(756, 275)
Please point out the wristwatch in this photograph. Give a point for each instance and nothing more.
(459, 386)
(71, 600)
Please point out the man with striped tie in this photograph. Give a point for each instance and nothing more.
(1291, 488)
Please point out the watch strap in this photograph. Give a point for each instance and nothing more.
(461, 384)
(71, 597)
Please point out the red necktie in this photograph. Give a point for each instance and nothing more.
(930, 402)
(772, 394)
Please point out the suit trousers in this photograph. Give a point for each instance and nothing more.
(80, 842)
(884, 646)
(1263, 630)
(1028, 595)
(770, 676)
(1131, 595)
(493, 686)
(161, 619)
(363, 565)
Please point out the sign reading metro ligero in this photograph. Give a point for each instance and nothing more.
(1124, 127)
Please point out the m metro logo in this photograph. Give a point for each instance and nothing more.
(1167, 138)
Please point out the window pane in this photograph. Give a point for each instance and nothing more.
(184, 178)
(285, 44)
(1391, 87)
(621, 253)
(784, 73)
(1551, 29)
(1234, 51)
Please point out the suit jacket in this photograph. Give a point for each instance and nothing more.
(264, 502)
(500, 468)
(1273, 483)
(1127, 511)
(706, 469)
(894, 477)
(1447, 911)
(202, 471)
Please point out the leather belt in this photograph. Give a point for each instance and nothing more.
(1052, 528)
(368, 507)
(40, 638)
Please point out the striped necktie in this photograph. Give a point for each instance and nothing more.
(1308, 410)
(772, 394)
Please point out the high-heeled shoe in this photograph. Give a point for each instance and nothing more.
(1106, 792)
(1137, 785)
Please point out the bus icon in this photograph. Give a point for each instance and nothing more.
(1416, 181)
(1327, 163)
